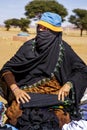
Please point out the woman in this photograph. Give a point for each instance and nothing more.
(45, 63)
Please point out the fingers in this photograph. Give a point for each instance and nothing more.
(17, 99)
(22, 97)
(64, 92)
(62, 95)
(27, 96)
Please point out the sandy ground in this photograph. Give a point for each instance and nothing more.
(9, 43)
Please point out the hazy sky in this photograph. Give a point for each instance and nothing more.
(15, 8)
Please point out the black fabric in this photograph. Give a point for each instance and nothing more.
(51, 101)
(43, 101)
(38, 119)
(73, 69)
(30, 65)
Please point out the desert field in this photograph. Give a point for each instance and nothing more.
(10, 42)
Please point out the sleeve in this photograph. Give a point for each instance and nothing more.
(9, 78)
(78, 74)
(23, 54)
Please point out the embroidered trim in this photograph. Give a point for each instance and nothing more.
(60, 58)
(33, 45)
(40, 82)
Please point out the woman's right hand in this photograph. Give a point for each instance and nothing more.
(20, 95)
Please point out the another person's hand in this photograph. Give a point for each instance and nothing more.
(64, 91)
(20, 95)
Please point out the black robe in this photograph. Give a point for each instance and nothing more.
(38, 58)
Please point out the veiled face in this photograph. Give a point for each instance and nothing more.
(45, 38)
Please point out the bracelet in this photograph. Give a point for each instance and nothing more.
(15, 88)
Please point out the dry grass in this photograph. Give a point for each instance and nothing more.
(8, 46)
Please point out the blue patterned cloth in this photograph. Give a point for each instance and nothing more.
(2, 111)
(13, 128)
(76, 125)
(83, 111)
(52, 18)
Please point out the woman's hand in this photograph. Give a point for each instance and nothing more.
(20, 95)
(64, 91)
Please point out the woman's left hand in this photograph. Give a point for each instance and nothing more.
(64, 91)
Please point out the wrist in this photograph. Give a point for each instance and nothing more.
(70, 84)
(14, 87)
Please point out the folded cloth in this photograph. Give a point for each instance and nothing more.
(39, 106)
(38, 119)
(76, 125)
(84, 98)
(83, 111)
(44, 100)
